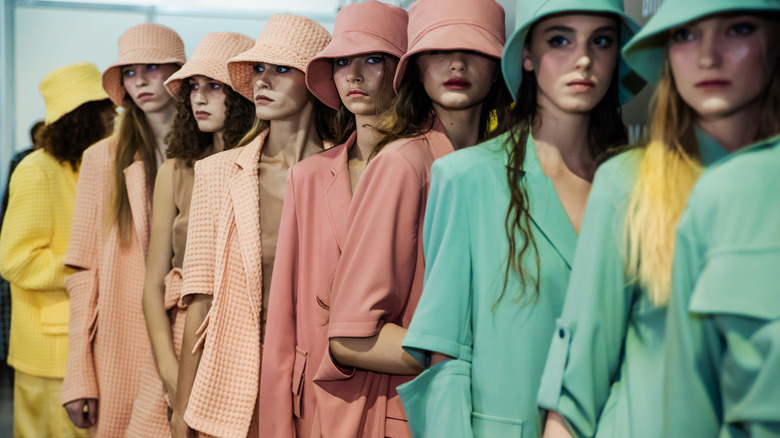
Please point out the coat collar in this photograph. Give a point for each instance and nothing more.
(338, 193)
(546, 211)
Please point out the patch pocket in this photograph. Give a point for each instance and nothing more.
(54, 316)
(299, 371)
(490, 425)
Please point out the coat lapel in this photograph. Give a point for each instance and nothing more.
(338, 193)
(135, 178)
(245, 198)
(546, 211)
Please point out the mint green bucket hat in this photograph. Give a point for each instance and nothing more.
(529, 12)
(645, 52)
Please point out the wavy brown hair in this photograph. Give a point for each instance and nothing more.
(186, 142)
(606, 131)
(409, 114)
(68, 137)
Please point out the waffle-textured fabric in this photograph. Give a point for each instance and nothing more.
(66, 88)
(224, 259)
(475, 25)
(107, 333)
(210, 59)
(378, 280)
(289, 40)
(150, 410)
(33, 242)
(360, 28)
(145, 43)
(311, 236)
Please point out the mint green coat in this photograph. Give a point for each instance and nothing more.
(723, 348)
(605, 365)
(489, 389)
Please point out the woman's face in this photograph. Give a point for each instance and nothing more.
(573, 57)
(207, 99)
(723, 64)
(359, 82)
(144, 84)
(456, 79)
(280, 92)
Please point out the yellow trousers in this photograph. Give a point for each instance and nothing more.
(38, 412)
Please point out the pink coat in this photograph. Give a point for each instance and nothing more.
(224, 259)
(107, 334)
(379, 279)
(312, 233)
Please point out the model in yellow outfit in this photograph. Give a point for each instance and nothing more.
(33, 242)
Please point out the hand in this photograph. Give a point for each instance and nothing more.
(179, 428)
(83, 412)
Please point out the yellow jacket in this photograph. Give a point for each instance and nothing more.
(33, 242)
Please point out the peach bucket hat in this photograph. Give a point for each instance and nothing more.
(210, 59)
(361, 28)
(476, 25)
(289, 40)
(146, 43)
(66, 88)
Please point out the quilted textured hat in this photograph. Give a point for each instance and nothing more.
(476, 25)
(289, 40)
(66, 88)
(210, 59)
(361, 28)
(645, 52)
(145, 43)
(529, 12)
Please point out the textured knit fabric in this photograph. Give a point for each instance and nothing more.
(311, 236)
(495, 344)
(33, 243)
(66, 88)
(378, 280)
(150, 410)
(223, 259)
(604, 371)
(723, 348)
(108, 339)
(5, 287)
(38, 411)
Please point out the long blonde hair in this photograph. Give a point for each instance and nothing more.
(670, 165)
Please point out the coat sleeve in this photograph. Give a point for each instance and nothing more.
(440, 398)
(80, 378)
(26, 256)
(585, 352)
(200, 256)
(376, 269)
(277, 399)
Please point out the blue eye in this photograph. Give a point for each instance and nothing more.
(375, 59)
(259, 68)
(743, 29)
(152, 67)
(215, 85)
(341, 62)
(128, 73)
(557, 41)
(282, 69)
(603, 41)
(194, 86)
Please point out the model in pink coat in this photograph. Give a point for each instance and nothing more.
(353, 75)
(447, 84)
(110, 235)
(234, 221)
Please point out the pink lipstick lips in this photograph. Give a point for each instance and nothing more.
(457, 84)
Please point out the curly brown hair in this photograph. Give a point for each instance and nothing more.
(186, 142)
(68, 137)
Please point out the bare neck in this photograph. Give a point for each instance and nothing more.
(218, 142)
(461, 126)
(566, 135)
(291, 138)
(160, 124)
(367, 138)
(734, 131)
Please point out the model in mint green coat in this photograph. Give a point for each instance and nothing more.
(723, 348)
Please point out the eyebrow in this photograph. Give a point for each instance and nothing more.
(559, 28)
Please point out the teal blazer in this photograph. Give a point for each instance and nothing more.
(723, 349)
(489, 389)
(604, 371)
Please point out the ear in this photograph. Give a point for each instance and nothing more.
(528, 65)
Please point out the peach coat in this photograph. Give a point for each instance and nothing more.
(107, 334)
(311, 236)
(378, 280)
(224, 259)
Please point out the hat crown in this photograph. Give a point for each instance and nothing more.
(221, 46)
(531, 10)
(425, 15)
(146, 36)
(303, 36)
(66, 88)
(381, 19)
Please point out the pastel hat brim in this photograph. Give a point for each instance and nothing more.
(645, 52)
(511, 64)
(112, 77)
(242, 66)
(66, 88)
(452, 36)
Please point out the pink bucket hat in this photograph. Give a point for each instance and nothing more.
(145, 43)
(360, 28)
(289, 40)
(476, 25)
(210, 59)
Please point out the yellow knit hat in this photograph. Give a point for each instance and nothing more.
(66, 88)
